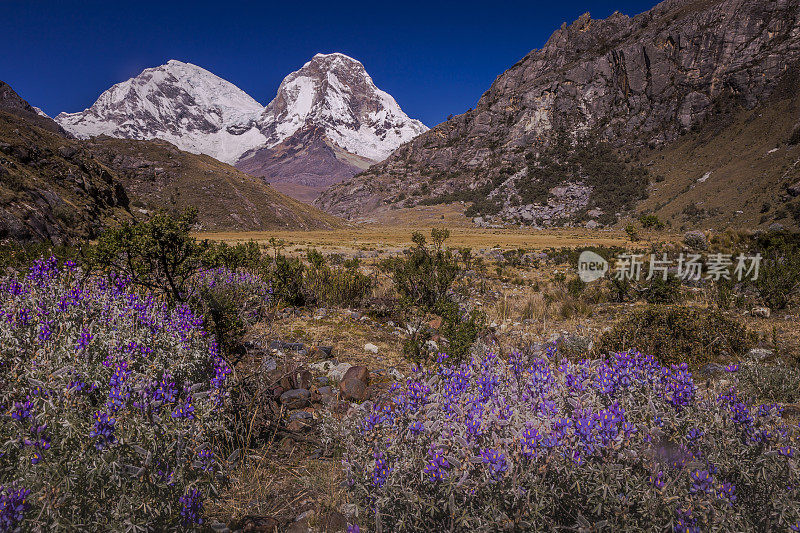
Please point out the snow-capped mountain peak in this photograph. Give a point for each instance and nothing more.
(335, 93)
(202, 113)
(178, 102)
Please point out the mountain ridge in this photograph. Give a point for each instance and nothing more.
(635, 82)
(199, 112)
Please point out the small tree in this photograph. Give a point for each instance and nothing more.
(158, 255)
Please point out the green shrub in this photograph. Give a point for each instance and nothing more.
(460, 328)
(632, 232)
(678, 334)
(779, 275)
(157, 255)
(345, 285)
(425, 275)
(287, 277)
(650, 222)
(661, 291)
(575, 286)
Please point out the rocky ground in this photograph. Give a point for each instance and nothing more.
(316, 363)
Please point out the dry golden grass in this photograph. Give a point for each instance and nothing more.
(280, 480)
(376, 237)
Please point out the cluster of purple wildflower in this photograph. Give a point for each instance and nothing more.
(13, 504)
(112, 360)
(502, 430)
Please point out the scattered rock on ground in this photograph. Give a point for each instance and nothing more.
(371, 348)
(354, 383)
(761, 312)
(296, 398)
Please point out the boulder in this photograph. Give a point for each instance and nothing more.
(776, 227)
(354, 383)
(296, 398)
(322, 352)
(760, 354)
(337, 372)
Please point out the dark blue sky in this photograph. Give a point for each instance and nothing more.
(435, 58)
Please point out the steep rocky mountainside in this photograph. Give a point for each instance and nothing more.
(626, 86)
(55, 188)
(331, 101)
(50, 189)
(158, 176)
(12, 103)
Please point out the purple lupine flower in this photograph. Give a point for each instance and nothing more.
(192, 507)
(437, 465)
(22, 410)
(103, 430)
(496, 461)
(380, 471)
(13, 504)
(701, 481)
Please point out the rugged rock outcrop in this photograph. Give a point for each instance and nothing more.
(51, 189)
(636, 82)
(12, 103)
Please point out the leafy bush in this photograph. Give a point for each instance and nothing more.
(632, 232)
(345, 285)
(286, 275)
(661, 291)
(18, 257)
(460, 328)
(426, 274)
(651, 222)
(531, 444)
(779, 275)
(677, 334)
(113, 404)
(769, 383)
(157, 255)
(231, 302)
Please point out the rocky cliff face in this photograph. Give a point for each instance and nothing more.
(635, 82)
(12, 103)
(50, 188)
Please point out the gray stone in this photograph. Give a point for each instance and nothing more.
(296, 398)
(761, 312)
(711, 369)
(759, 354)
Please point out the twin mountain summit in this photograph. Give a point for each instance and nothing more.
(689, 111)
